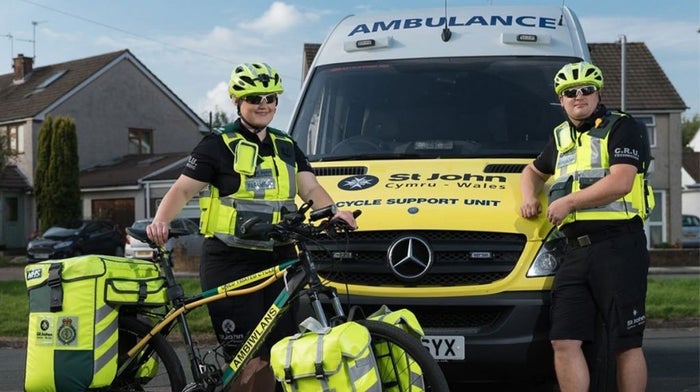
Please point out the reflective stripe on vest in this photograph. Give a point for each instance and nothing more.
(584, 161)
(265, 195)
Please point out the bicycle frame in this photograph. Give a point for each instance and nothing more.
(297, 273)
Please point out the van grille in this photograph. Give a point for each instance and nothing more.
(452, 317)
(364, 258)
(340, 171)
(504, 168)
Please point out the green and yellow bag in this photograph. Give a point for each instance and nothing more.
(395, 368)
(326, 359)
(73, 330)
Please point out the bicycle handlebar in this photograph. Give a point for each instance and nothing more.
(291, 226)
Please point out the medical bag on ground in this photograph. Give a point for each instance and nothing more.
(325, 359)
(395, 368)
(73, 330)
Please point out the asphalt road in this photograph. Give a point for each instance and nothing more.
(673, 358)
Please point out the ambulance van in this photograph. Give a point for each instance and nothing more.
(424, 120)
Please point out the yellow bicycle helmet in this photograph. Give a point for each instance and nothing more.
(577, 74)
(254, 79)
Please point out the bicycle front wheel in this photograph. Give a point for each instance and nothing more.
(404, 364)
(156, 368)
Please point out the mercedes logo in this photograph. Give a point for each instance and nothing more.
(409, 258)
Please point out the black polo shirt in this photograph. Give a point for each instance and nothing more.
(625, 145)
(211, 161)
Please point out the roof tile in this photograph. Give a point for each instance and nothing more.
(129, 169)
(18, 101)
(647, 86)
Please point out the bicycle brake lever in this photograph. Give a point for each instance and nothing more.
(252, 228)
(337, 226)
(343, 225)
(305, 207)
(248, 224)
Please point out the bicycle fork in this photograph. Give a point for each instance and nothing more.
(316, 288)
(316, 305)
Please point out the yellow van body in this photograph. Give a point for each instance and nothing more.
(425, 126)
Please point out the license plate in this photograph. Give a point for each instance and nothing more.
(143, 253)
(41, 256)
(445, 347)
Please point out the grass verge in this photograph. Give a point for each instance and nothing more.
(667, 298)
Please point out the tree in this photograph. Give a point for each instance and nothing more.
(217, 119)
(41, 180)
(57, 175)
(689, 127)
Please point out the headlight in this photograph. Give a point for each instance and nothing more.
(549, 256)
(63, 244)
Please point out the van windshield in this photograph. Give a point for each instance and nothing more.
(430, 108)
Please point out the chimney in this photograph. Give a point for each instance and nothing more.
(23, 66)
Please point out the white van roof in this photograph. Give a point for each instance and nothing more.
(475, 31)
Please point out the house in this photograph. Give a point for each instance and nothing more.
(129, 123)
(649, 97)
(690, 177)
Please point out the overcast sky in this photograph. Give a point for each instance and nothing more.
(193, 45)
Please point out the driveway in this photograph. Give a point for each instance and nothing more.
(12, 273)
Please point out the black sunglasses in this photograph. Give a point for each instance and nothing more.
(573, 92)
(258, 99)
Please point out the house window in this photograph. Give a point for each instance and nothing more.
(11, 209)
(54, 77)
(140, 141)
(651, 127)
(655, 224)
(12, 137)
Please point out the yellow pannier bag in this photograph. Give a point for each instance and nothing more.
(136, 291)
(72, 331)
(397, 371)
(326, 359)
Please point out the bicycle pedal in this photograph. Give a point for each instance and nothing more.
(193, 387)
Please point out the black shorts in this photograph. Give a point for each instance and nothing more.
(233, 318)
(607, 278)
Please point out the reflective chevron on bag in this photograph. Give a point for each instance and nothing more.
(398, 372)
(72, 331)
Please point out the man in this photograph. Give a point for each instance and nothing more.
(599, 199)
(250, 171)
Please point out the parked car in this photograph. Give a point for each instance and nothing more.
(192, 242)
(77, 238)
(691, 231)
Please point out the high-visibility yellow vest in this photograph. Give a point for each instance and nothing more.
(266, 192)
(582, 160)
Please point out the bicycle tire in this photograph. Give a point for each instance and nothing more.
(169, 375)
(414, 352)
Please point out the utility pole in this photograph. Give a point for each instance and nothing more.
(623, 71)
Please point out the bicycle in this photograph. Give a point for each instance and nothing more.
(211, 372)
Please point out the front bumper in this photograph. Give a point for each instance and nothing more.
(505, 334)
